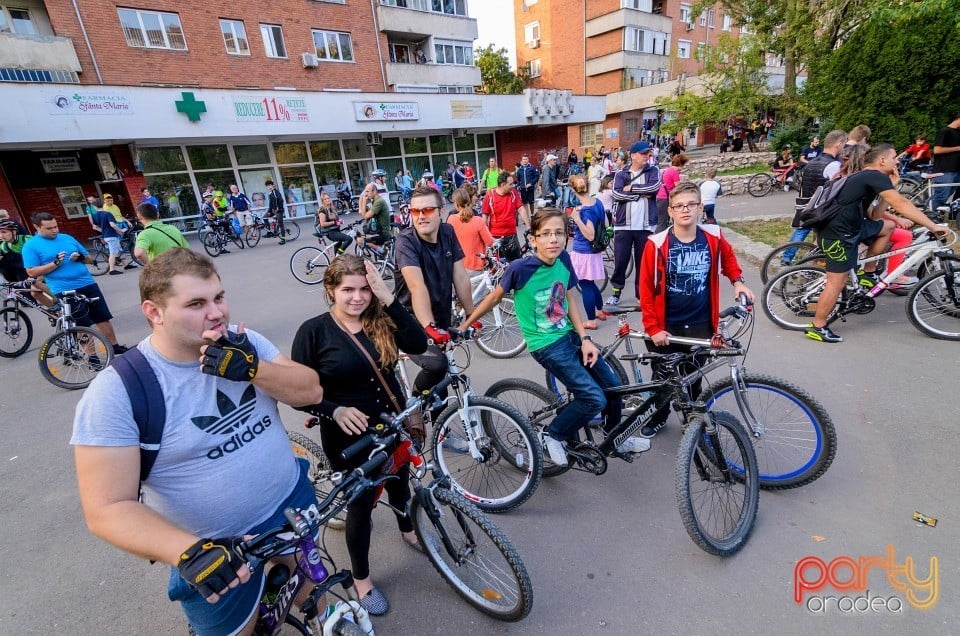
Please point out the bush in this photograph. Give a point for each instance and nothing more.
(797, 136)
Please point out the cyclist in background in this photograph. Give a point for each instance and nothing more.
(328, 224)
(11, 262)
(376, 212)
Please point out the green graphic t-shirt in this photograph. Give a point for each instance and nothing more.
(540, 297)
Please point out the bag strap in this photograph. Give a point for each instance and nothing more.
(146, 400)
(373, 365)
(154, 227)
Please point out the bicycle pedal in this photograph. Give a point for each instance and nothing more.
(627, 457)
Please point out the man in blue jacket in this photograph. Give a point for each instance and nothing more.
(527, 178)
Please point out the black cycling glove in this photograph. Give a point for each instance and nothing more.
(210, 565)
(232, 357)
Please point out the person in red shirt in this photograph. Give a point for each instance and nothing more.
(468, 172)
(501, 207)
(918, 152)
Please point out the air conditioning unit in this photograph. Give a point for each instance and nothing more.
(459, 133)
(310, 60)
(374, 139)
(534, 44)
(689, 26)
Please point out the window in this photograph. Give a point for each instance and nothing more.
(531, 32)
(451, 52)
(73, 201)
(703, 18)
(745, 25)
(235, 37)
(272, 36)
(333, 46)
(685, 13)
(469, 90)
(711, 18)
(152, 29)
(591, 135)
(534, 68)
(644, 41)
(683, 48)
(774, 60)
(630, 125)
(727, 22)
(633, 40)
(639, 5)
(16, 21)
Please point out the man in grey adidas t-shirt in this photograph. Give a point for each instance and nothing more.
(224, 468)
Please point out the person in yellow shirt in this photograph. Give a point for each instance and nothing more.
(112, 208)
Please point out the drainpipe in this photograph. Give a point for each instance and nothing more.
(86, 39)
(376, 27)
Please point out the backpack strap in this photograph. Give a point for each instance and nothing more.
(146, 400)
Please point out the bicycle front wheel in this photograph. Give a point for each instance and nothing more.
(212, 244)
(16, 332)
(510, 465)
(252, 236)
(794, 438)
(537, 404)
(502, 339)
(473, 555)
(319, 472)
(291, 230)
(786, 255)
(790, 298)
(760, 185)
(308, 265)
(100, 264)
(237, 239)
(71, 359)
(717, 485)
(934, 305)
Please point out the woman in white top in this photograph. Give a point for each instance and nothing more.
(595, 174)
(709, 191)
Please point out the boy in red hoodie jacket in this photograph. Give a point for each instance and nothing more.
(679, 282)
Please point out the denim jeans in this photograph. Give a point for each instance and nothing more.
(940, 195)
(799, 234)
(562, 359)
(627, 244)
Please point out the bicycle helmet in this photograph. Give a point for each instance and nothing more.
(379, 173)
(427, 174)
(8, 224)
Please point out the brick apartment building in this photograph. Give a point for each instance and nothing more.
(629, 50)
(172, 94)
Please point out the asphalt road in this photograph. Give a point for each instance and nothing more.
(607, 555)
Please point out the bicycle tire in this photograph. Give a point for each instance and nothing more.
(502, 338)
(560, 390)
(296, 624)
(512, 465)
(796, 442)
(237, 239)
(212, 244)
(66, 364)
(931, 299)
(291, 231)
(100, 264)
(699, 481)
(309, 264)
(537, 404)
(790, 298)
(760, 185)
(500, 590)
(773, 264)
(16, 333)
(305, 448)
(252, 236)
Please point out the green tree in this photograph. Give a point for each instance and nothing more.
(896, 72)
(496, 78)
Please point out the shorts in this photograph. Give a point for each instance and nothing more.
(238, 606)
(113, 244)
(93, 312)
(528, 195)
(841, 253)
(245, 217)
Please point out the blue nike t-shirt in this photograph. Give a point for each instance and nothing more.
(688, 290)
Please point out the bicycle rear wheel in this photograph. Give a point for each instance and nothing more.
(308, 265)
(291, 230)
(237, 239)
(472, 554)
(934, 305)
(16, 332)
(794, 441)
(786, 255)
(99, 265)
(534, 402)
(760, 184)
(71, 358)
(717, 485)
(503, 338)
(252, 235)
(790, 298)
(319, 471)
(510, 465)
(213, 244)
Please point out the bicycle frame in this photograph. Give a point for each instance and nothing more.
(18, 295)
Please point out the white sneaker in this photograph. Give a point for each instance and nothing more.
(556, 450)
(634, 445)
(613, 301)
(786, 188)
(906, 280)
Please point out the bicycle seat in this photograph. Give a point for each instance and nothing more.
(931, 175)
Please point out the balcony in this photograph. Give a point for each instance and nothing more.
(626, 59)
(407, 23)
(628, 18)
(432, 74)
(39, 52)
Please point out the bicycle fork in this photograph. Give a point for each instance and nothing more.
(709, 459)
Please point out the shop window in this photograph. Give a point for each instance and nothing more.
(417, 165)
(464, 143)
(73, 201)
(206, 157)
(163, 159)
(441, 143)
(328, 175)
(325, 150)
(414, 145)
(485, 141)
(389, 148)
(355, 149)
(175, 194)
(294, 152)
(591, 135)
(251, 155)
(221, 179)
(298, 190)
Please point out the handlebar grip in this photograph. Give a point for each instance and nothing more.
(443, 384)
(362, 445)
(373, 463)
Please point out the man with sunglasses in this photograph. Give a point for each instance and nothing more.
(430, 261)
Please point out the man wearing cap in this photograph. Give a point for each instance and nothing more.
(635, 189)
(114, 209)
(548, 182)
(468, 172)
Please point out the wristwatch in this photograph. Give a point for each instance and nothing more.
(587, 337)
(739, 279)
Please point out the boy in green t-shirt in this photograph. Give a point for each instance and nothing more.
(549, 317)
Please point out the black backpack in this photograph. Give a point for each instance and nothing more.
(601, 238)
(146, 400)
(822, 206)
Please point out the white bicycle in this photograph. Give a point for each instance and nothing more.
(500, 336)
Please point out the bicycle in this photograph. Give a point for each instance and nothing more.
(220, 233)
(763, 183)
(100, 262)
(468, 550)
(487, 447)
(920, 194)
(258, 223)
(793, 436)
(308, 264)
(502, 338)
(73, 355)
(17, 333)
(790, 298)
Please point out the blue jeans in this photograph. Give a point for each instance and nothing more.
(799, 234)
(562, 359)
(940, 195)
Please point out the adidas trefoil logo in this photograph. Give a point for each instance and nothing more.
(232, 421)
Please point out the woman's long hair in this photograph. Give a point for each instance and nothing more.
(376, 324)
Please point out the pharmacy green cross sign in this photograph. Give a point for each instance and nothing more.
(190, 106)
